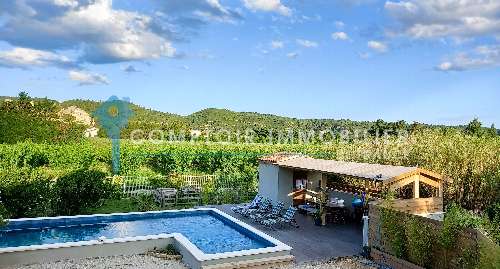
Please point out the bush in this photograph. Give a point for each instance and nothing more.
(420, 240)
(25, 193)
(80, 190)
(3, 215)
(393, 227)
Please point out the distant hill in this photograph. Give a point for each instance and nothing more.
(213, 119)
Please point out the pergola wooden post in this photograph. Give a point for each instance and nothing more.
(415, 177)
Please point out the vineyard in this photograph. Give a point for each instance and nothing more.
(471, 162)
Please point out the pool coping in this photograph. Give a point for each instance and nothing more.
(193, 250)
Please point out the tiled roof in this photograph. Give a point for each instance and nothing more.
(362, 170)
(279, 157)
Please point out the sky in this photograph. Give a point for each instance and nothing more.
(431, 61)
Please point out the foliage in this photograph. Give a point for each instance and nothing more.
(491, 222)
(393, 227)
(489, 254)
(420, 239)
(36, 120)
(81, 189)
(472, 163)
(3, 215)
(25, 193)
(456, 219)
(411, 238)
(145, 202)
(474, 127)
(115, 205)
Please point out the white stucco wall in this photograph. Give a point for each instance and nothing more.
(268, 180)
(285, 186)
(275, 183)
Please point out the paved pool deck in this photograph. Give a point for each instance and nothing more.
(311, 242)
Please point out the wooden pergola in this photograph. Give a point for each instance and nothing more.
(374, 175)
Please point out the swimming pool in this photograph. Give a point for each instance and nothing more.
(203, 235)
(205, 229)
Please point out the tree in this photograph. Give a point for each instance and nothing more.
(493, 131)
(416, 127)
(474, 127)
(24, 101)
(378, 128)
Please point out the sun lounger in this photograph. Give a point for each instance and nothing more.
(287, 218)
(252, 205)
(264, 206)
(275, 212)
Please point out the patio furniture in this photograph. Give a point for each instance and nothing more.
(189, 195)
(307, 209)
(165, 196)
(336, 211)
(275, 212)
(287, 218)
(263, 207)
(251, 205)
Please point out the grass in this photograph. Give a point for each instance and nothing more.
(115, 206)
(126, 205)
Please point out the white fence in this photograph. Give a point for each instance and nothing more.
(135, 185)
(197, 181)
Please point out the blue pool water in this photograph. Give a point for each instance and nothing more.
(209, 231)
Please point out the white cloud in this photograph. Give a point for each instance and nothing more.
(268, 6)
(211, 10)
(103, 34)
(292, 55)
(339, 24)
(307, 43)
(377, 46)
(85, 78)
(340, 36)
(27, 58)
(275, 44)
(480, 57)
(438, 18)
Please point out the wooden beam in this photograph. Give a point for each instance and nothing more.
(429, 181)
(416, 187)
(403, 182)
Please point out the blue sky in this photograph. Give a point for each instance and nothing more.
(432, 61)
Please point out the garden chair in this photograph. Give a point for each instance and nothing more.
(165, 196)
(252, 205)
(189, 195)
(287, 218)
(275, 212)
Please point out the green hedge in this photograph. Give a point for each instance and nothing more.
(80, 190)
(28, 192)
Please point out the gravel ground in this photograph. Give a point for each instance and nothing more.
(338, 263)
(148, 262)
(127, 262)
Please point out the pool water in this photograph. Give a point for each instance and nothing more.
(210, 232)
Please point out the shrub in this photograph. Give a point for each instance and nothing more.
(3, 215)
(81, 189)
(146, 202)
(393, 226)
(25, 193)
(420, 240)
(456, 219)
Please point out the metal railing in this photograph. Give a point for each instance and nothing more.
(215, 189)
